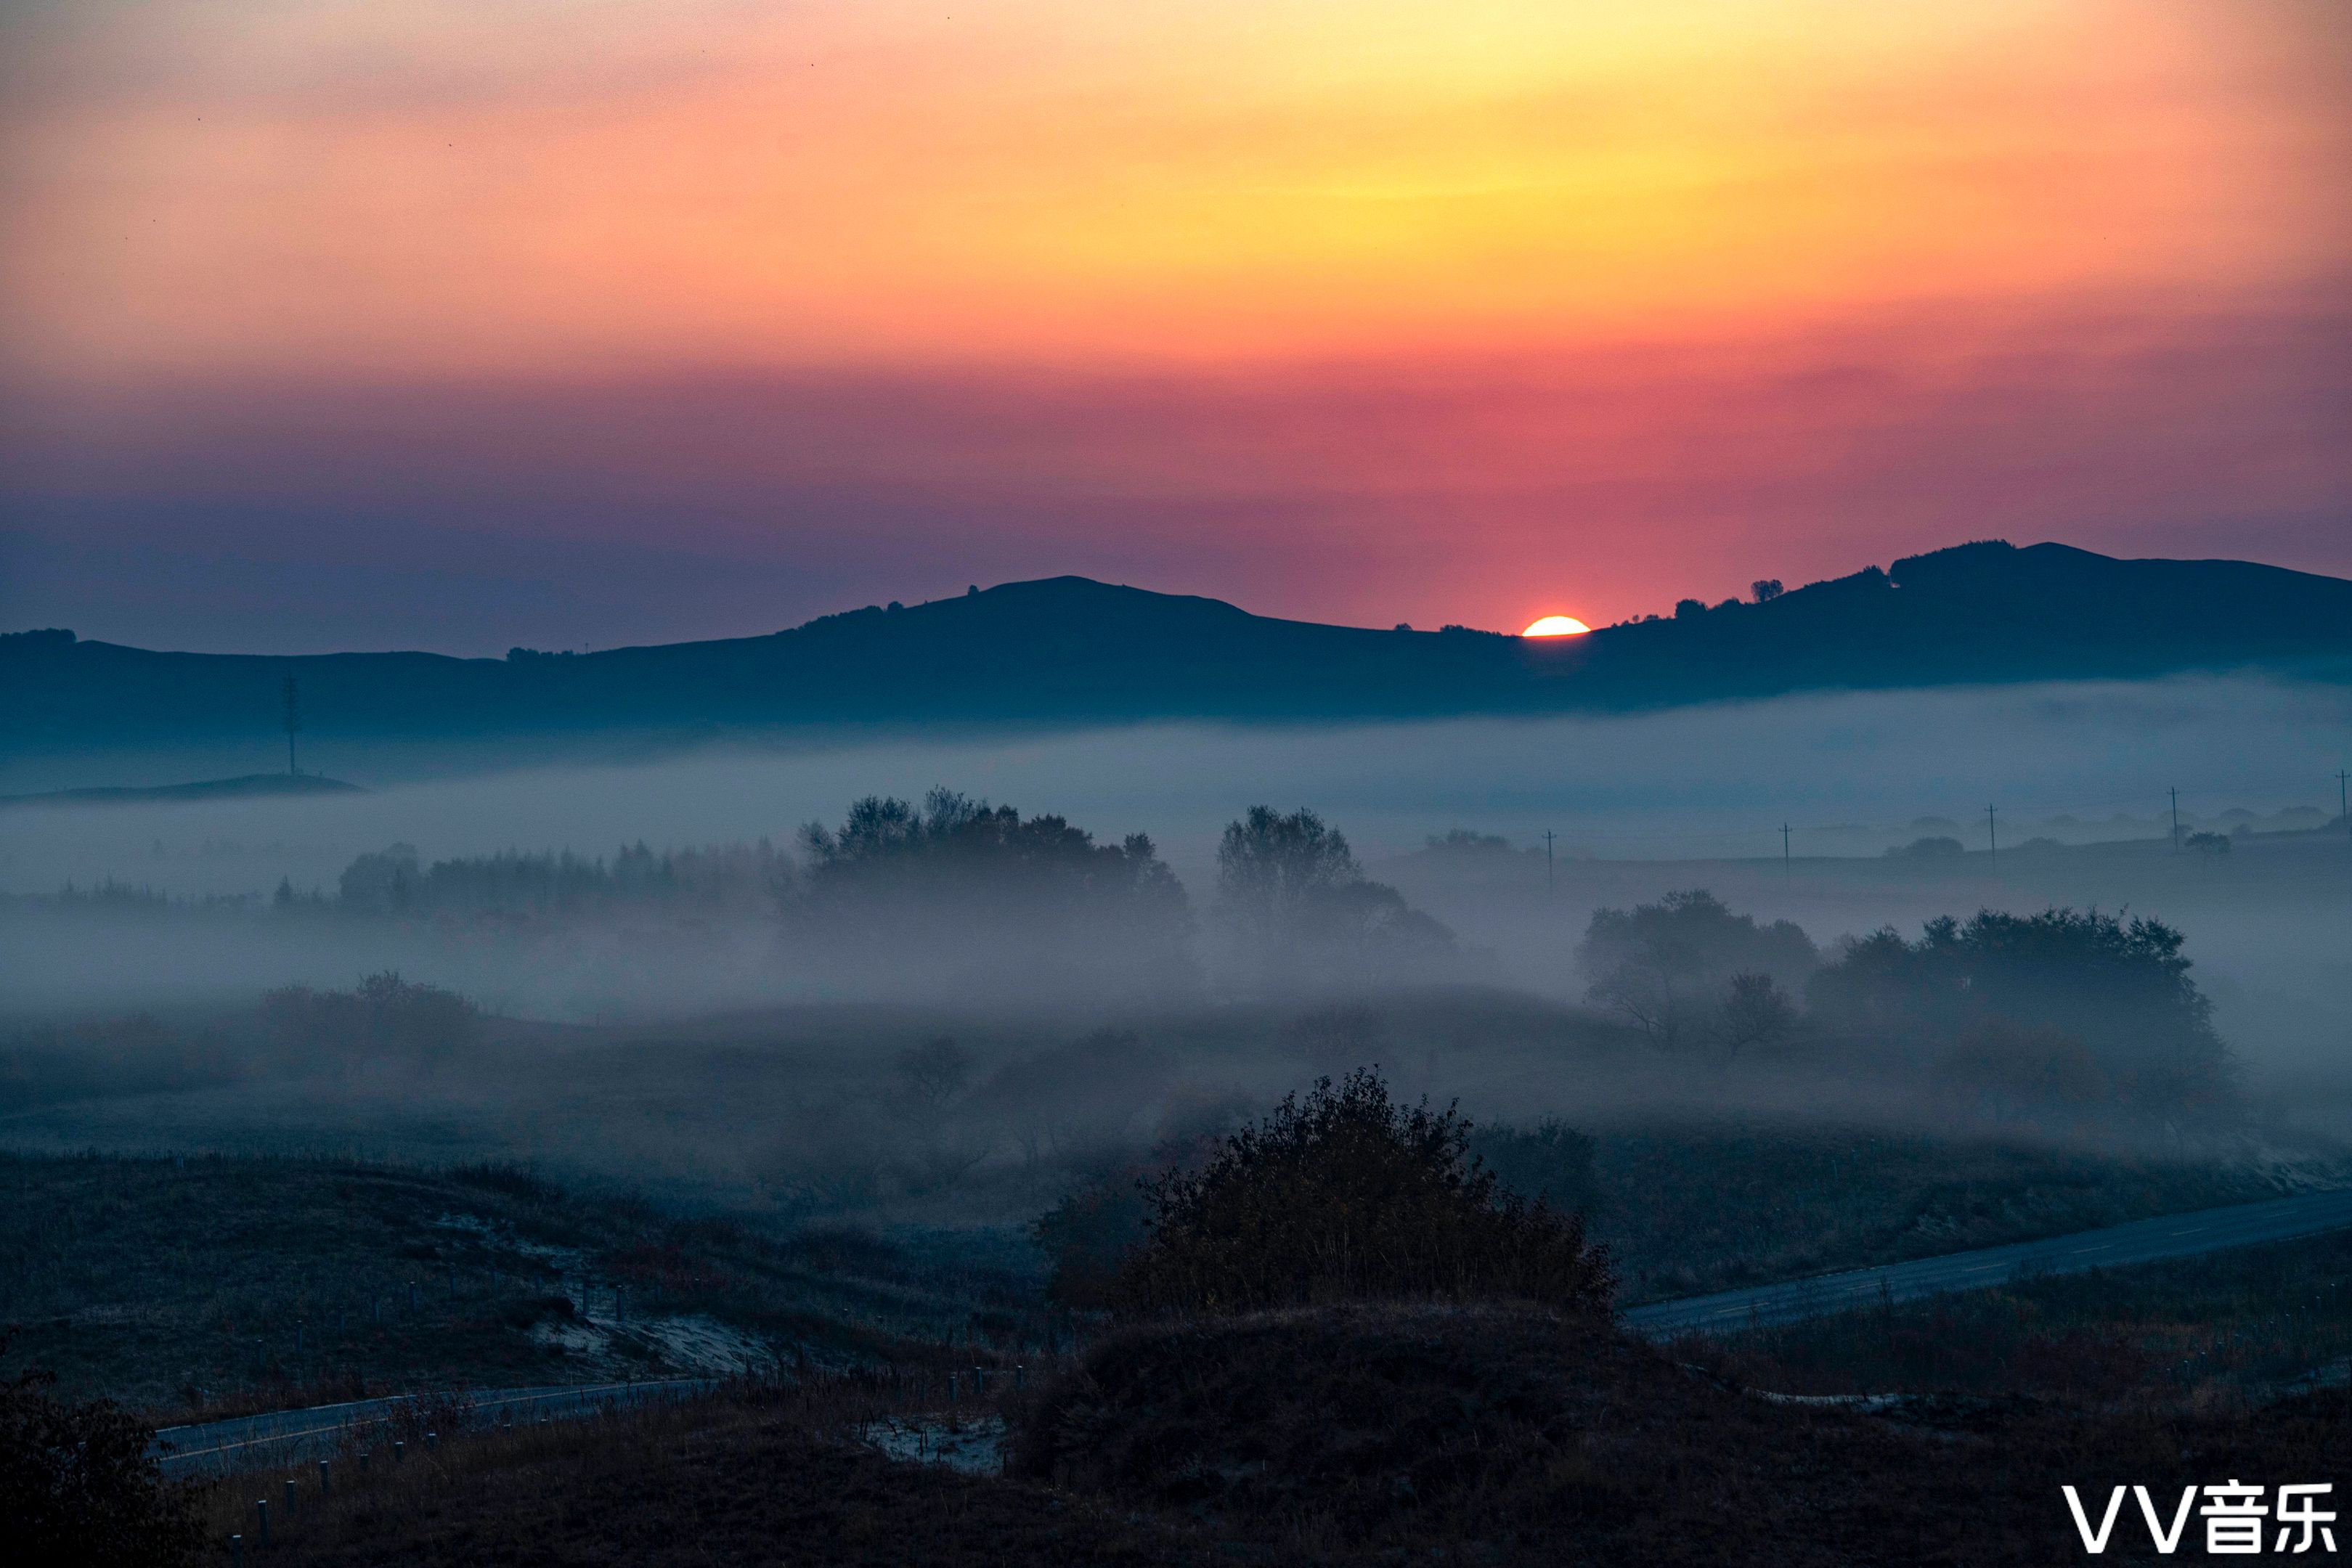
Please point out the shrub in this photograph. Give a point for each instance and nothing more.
(1347, 1195)
(77, 1484)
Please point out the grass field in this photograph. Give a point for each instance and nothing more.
(205, 1285)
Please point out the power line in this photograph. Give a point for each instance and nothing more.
(289, 696)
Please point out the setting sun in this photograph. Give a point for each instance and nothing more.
(1556, 626)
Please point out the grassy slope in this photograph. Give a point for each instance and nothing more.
(1507, 1436)
(748, 1478)
(1350, 1435)
(2211, 1330)
(142, 1279)
(1695, 1206)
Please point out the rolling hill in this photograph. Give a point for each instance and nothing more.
(1069, 650)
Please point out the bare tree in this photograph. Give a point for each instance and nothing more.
(1755, 1011)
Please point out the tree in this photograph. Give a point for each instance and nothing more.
(1689, 608)
(1271, 867)
(1667, 968)
(928, 1084)
(1299, 909)
(1347, 1195)
(1766, 589)
(1755, 1011)
(928, 1078)
(1072, 1100)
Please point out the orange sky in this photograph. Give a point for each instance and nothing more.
(1527, 219)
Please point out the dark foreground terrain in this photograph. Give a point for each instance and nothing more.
(1345, 1435)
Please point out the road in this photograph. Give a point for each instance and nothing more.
(2142, 1241)
(301, 1436)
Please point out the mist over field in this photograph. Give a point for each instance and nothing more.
(669, 919)
(1851, 774)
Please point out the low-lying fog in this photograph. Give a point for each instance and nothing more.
(1640, 806)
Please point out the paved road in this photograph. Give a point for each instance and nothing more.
(301, 1436)
(2142, 1241)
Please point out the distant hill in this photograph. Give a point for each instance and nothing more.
(252, 785)
(1070, 650)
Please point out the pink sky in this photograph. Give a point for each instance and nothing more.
(588, 322)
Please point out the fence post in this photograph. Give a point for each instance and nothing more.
(261, 1512)
(291, 1497)
(399, 1451)
(326, 1480)
(236, 1551)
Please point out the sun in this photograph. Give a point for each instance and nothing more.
(1556, 626)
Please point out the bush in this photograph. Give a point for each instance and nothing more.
(1349, 1195)
(77, 1484)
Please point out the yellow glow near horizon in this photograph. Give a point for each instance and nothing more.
(578, 188)
(1556, 626)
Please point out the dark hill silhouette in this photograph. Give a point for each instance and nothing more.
(1066, 650)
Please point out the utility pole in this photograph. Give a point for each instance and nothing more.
(1993, 834)
(2341, 809)
(2175, 821)
(293, 706)
(1547, 838)
(1788, 866)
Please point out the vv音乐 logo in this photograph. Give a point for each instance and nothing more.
(2235, 1518)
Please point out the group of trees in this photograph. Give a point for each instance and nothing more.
(2068, 1010)
(1693, 977)
(2064, 1013)
(976, 894)
(394, 882)
(383, 1019)
(1294, 904)
(977, 899)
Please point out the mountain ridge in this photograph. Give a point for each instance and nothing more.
(1071, 650)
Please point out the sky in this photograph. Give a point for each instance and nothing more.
(574, 323)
